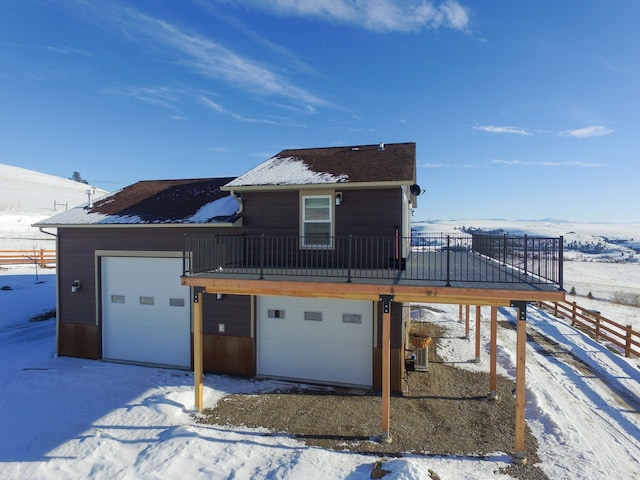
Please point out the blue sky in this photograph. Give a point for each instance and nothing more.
(520, 110)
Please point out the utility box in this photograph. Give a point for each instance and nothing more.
(422, 359)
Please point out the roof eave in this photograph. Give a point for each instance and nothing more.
(336, 185)
(237, 223)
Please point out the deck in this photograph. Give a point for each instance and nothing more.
(444, 272)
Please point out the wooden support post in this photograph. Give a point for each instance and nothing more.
(460, 313)
(386, 300)
(466, 325)
(197, 348)
(521, 358)
(627, 344)
(478, 313)
(493, 376)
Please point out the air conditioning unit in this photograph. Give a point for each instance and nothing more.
(421, 363)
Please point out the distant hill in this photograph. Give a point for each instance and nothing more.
(26, 197)
(26, 191)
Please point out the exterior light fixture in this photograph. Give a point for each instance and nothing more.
(75, 286)
(338, 198)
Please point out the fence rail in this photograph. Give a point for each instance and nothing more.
(622, 336)
(434, 257)
(41, 257)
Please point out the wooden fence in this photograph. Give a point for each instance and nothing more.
(600, 327)
(40, 257)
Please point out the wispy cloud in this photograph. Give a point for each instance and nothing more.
(543, 163)
(242, 118)
(204, 56)
(379, 15)
(592, 131)
(522, 163)
(219, 149)
(159, 96)
(447, 165)
(504, 129)
(68, 51)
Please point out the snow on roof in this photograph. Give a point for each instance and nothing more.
(285, 171)
(389, 163)
(221, 210)
(157, 202)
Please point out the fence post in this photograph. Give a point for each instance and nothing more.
(42, 258)
(184, 254)
(504, 249)
(555, 309)
(627, 346)
(349, 259)
(561, 263)
(262, 257)
(448, 261)
(597, 318)
(526, 245)
(573, 314)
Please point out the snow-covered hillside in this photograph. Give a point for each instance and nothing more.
(589, 242)
(27, 197)
(601, 260)
(65, 418)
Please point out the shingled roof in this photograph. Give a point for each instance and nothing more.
(383, 163)
(194, 201)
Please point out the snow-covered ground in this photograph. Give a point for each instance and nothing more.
(66, 418)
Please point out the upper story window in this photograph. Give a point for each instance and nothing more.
(317, 221)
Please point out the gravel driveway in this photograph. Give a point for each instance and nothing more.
(444, 412)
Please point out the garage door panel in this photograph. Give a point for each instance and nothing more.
(329, 350)
(147, 333)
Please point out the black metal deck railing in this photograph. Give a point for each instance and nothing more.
(420, 258)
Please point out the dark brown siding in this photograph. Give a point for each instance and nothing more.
(230, 355)
(369, 212)
(76, 261)
(234, 311)
(363, 212)
(397, 340)
(271, 213)
(397, 369)
(397, 349)
(77, 340)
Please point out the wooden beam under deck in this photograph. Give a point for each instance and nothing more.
(372, 291)
(398, 293)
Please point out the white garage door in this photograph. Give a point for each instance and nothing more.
(145, 311)
(328, 341)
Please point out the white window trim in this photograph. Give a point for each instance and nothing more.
(331, 221)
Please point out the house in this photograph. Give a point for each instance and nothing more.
(303, 268)
(120, 263)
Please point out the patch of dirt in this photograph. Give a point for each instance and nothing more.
(446, 411)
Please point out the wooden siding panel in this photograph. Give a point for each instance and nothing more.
(76, 340)
(229, 355)
(397, 369)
